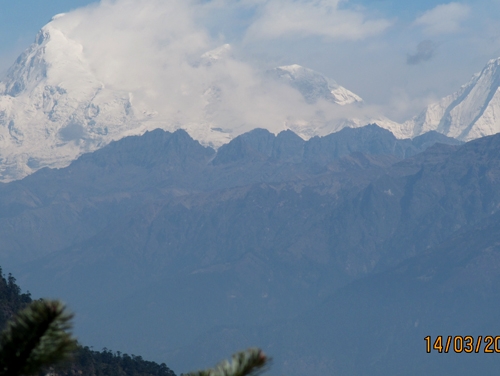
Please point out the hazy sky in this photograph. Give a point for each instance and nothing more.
(394, 54)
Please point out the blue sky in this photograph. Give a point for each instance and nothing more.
(21, 19)
(399, 55)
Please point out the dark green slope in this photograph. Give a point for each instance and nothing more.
(11, 298)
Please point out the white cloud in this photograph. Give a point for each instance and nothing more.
(149, 49)
(144, 48)
(135, 41)
(443, 19)
(282, 18)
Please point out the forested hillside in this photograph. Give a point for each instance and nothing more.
(85, 361)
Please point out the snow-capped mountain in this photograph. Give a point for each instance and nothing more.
(57, 103)
(52, 108)
(60, 99)
(471, 112)
(314, 86)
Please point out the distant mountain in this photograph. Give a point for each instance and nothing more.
(55, 105)
(59, 207)
(424, 246)
(53, 108)
(252, 233)
(449, 290)
(467, 114)
(336, 251)
(287, 146)
(314, 86)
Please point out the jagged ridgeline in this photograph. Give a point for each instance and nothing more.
(85, 361)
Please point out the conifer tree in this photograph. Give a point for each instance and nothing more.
(36, 338)
(39, 336)
(251, 362)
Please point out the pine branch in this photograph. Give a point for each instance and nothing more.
(36, 338)
(251, 362)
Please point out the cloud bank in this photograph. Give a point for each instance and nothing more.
(301, 18)
(156, 51)
(151, 49)
(443, 19)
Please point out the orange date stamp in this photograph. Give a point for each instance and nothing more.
(463, 344)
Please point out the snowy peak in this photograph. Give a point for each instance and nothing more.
(63, 97)
(215, 55)
(471, 112)
(50, 107)
(69, 94)
(314, 86)
(30, 67)
(52, 57)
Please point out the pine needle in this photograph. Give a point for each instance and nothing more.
(36, 338)
(245, 363)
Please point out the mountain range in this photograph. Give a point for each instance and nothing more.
(244, 245)
(180, 228)
(56, 105)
